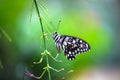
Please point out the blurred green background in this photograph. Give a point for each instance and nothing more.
(96, 21)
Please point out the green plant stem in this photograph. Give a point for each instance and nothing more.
(48, 69)
(6, 34)
(40, 23)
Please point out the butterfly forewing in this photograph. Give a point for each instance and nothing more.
(71, 45)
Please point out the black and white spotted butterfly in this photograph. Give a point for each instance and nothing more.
(71, 45)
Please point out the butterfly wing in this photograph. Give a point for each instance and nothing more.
(58, 46)
(73, 46)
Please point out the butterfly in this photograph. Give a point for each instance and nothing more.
(71, 45)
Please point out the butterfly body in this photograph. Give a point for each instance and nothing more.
(71, 45)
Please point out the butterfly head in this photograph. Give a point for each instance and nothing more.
(55, 34)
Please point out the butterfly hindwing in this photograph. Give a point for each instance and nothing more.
(73, 46)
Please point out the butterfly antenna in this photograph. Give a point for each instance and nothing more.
(58, 25)
(56, 29)
(51, 23)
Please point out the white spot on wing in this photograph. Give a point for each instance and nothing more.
(84, 49)
(78, 49)
(80, 41)
(77, 40)
(73, 41)
(69, 58)
(81, 45)
(73, 58)
(69, 42)
(65, 43)
(63, 47)
(69, 52)
(81, 50)
(87, 45)
(66, 39)
(75, 51)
